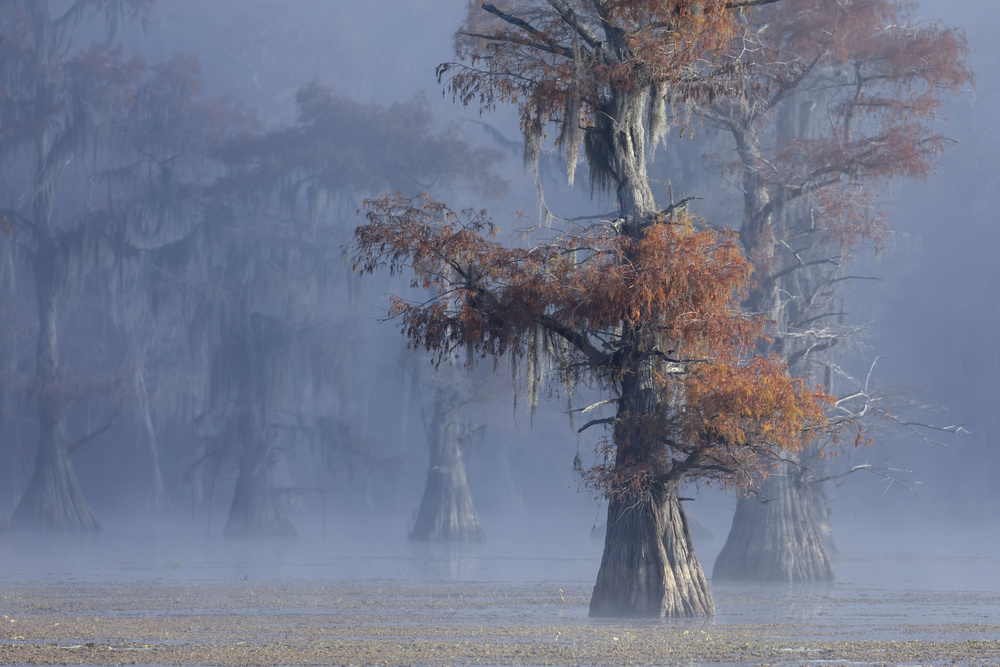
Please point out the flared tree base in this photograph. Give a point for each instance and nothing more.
(649, 569)
(53, 500)
(784, 540)
(255, 511)
(446, 512)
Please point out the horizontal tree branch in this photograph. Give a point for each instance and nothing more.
(514, 39)
(679, 206)
(597, 422)
(884, 474)
(569, 16)
(544, 42)
(597, 405)
(574, 337)
(749, 3)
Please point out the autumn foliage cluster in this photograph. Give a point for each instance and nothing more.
(843, 96)
(665, 305)
(569, 64)
(649, 307)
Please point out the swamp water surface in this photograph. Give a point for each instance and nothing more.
(163, 600)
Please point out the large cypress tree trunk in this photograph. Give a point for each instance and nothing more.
(788, 538)
(446, 510)
(255, 510)
(53, 500)
(649, 568)
(782, 539)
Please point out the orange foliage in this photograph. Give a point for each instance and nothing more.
(649, 307)
(563, 61)
(844, 97)
(665, 305)
(879, 79)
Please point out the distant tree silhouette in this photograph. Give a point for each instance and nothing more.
(83, 138)
(277, 231)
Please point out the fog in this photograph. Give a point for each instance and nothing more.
(917, 539)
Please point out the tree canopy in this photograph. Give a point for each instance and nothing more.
(613, 306)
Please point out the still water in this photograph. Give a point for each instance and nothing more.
(530, 583)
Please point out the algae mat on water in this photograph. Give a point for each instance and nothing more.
(390, 623)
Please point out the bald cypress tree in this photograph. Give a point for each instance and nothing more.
(844, 100)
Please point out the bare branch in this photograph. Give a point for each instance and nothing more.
(597, 422)
(544, 42)
(957, 429)
(597, 405)
(749, 3)
(679, 206)
(569, 16)
(884, 474)
(515, 39)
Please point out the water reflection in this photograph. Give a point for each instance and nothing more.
(454, 562)
(525, 577)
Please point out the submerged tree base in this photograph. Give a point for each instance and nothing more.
(447, 513)
(53, 500)
(783, 540)
(649, 569)
(256, 512)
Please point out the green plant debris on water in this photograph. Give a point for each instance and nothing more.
(394, 624)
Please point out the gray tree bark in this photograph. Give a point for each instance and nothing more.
(53, 499)
(788, 537)
(781, 540)
(255, 510)
(649, 568)
(447, 513)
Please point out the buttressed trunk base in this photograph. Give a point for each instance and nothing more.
(447, 513)
(53, 500)
(649, 569)
(255, 511)
(781, 540)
